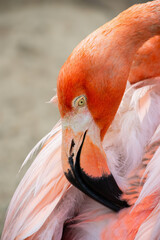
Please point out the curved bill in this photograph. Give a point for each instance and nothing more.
(85, 166)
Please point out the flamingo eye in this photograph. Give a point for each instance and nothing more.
(80, 101)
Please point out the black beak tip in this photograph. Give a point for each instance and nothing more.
(104, 190)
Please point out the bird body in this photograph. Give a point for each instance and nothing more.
(107, 143)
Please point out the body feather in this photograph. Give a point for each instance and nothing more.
(45, 205)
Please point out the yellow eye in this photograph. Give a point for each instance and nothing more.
(80, 101)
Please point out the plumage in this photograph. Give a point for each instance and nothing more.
(109, 133)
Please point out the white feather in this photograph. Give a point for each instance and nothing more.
(127, 137)
(41, 143)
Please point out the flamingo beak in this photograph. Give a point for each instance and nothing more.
(85, 166)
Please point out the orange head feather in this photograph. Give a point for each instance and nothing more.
(98, 69)
(100, 64)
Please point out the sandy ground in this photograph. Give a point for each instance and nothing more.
(35, 40)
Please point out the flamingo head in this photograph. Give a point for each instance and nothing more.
(90, 87)
(87, 106)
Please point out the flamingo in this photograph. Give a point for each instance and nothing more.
(96, 175)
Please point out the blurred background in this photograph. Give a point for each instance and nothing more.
(36, 37)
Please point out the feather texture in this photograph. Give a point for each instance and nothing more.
(45, 205)
(39, 191)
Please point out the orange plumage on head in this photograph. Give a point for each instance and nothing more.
(98, 68)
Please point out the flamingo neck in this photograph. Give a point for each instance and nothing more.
(116, 44)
